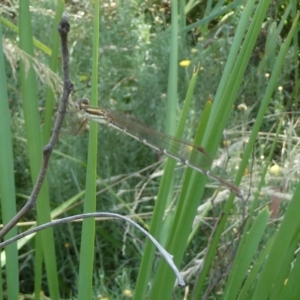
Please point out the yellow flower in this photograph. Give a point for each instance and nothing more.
(275, 170)
(226, 143)
(83, 78)
(185, 63)
(127, 293)
(242, 107)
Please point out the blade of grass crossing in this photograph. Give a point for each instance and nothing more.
(237, 272)
(236, 276)
(250, 282)
(215, 14)
(264, 106)
(37, 43)
(272, 40)
(231, 79)
(34, 145)
(267, 97)
(88, 227)
(288, 229)
(182, 14)
(285, 267)
(185, 212)
(291, 288)
(272, 84)
(190, 195)
(7, 184)
(225, 97)
(296, 58)
(247, 249)
(169, 128)
(172, 93)
(184, 209)
(172, 101)
(168, 220)
(159, 209)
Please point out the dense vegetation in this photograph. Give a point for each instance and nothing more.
(250, 129)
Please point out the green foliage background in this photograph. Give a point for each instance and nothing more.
(135, 46)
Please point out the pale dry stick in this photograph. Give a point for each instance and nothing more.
(167, 256)
(63, 28)
(188, 154)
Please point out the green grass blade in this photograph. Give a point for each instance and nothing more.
(285, 267)
(245, 254)
(213, 15)
(171, 109)
(172, 100)
(226, 94)
(253, 275)
(7, 183)
(269, 56)
(196, 189)
(165, 190)
(187, 205)
(36, 42)
(233, 73)
(192, 190)
(264, 105)
(159, 209)
(88, 227)
(32, 128)
(291, 288)
(288, 229)
(221, 109)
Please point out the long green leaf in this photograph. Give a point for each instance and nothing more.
(285, 268)
(34, 145)
(226, 94)
(254, 271)
(7, 183)
(291, 287)
(221, 107)
(36, 42)
(286, 233)
(185, 213)
(172, 96)
(88, 227)
(161, 203)
(245, 255)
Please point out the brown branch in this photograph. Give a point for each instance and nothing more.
(63, 29)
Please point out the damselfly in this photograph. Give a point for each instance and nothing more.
(188, 154)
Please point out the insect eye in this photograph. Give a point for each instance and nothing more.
(85, 102)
